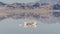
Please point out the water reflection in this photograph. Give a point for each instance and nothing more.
(11, 26)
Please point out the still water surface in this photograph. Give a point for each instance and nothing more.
(11, 26)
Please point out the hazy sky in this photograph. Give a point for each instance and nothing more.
(20, 1)
(25, 1)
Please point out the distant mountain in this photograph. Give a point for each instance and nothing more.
(56, 7)
(2, 4)
(17, 5)
(22, 5)
(41, 11)
(36, 5)
(30, 5)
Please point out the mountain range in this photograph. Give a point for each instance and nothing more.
(30, 5)
(45, 12)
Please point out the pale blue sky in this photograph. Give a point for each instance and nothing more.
(25, 1)
(20, 1)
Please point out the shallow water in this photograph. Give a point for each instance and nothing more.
(11, 26)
